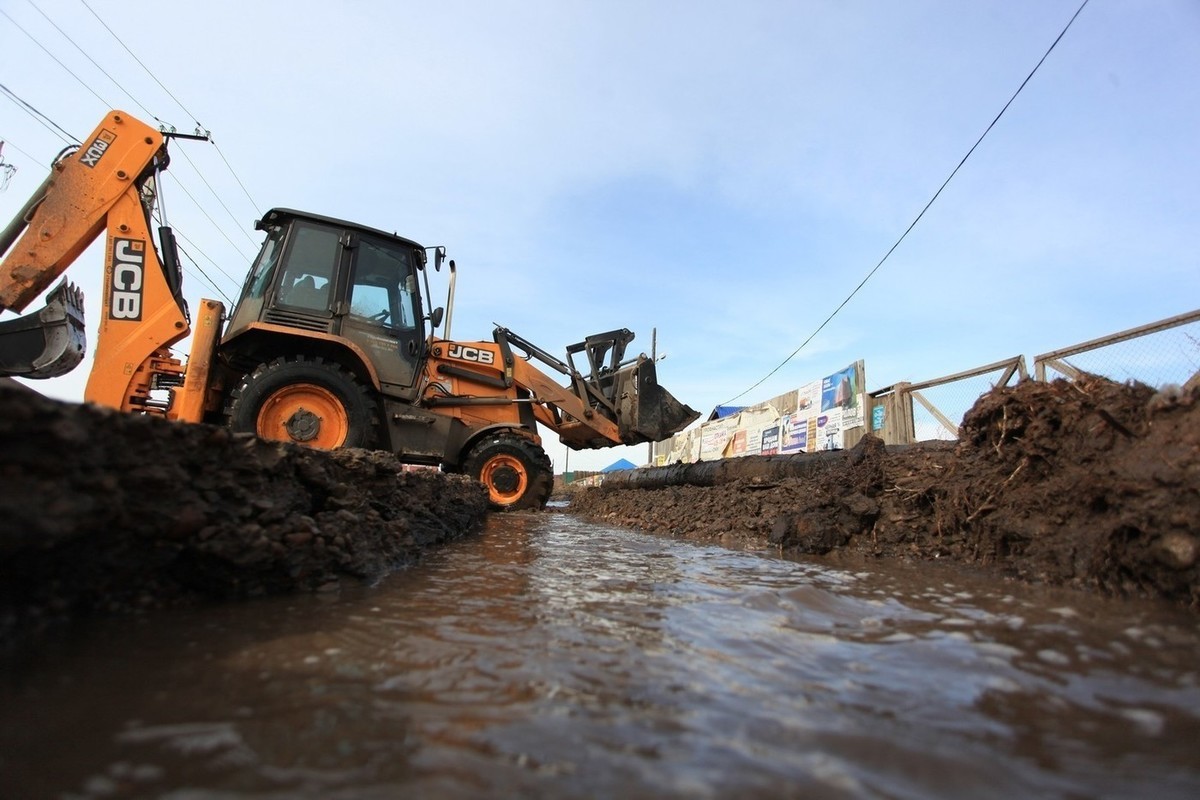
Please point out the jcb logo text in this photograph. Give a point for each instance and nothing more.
(472, 354)
(128, 269)
(96, 150)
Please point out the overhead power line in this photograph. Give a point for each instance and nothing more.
(14, 147)
(221, 202)
(913, 224)
(82, 82)
(44, 120)
(229, 166)
(95, 63)
(143, 66)
(218, 228)
(199, 126)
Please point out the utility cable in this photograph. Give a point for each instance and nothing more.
(210, 260)
(199, 269)
(144, 109)
(82, 83)
(913, 224)
(229, 166)
(199, 127)
(238, 225)
(183, 189)
(4, 141)
(140, 64)
(157, 213)
(95, 64)
(41, 118)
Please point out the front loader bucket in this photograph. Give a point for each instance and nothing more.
(47, 343)
(652, 413)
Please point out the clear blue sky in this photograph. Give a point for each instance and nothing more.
(724, 171)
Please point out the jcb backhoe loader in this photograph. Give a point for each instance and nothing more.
(329, 345)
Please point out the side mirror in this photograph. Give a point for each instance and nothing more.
(435, 316)
(439, 255)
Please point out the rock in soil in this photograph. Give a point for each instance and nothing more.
(1090, 484)
(103, 511)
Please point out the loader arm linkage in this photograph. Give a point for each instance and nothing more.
(616, 402)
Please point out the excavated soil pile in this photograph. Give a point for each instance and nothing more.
(103, 511)
(1090, 484)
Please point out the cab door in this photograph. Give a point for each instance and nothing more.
(381, 313)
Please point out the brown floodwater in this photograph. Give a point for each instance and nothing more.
(555, 657)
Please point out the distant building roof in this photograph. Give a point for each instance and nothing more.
(617, 466)
(724, 411)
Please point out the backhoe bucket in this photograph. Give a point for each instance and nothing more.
(649, 412)
(47, 343)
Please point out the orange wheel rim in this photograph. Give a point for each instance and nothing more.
(505, 478)
(306, 414)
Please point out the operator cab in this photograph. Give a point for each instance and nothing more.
(329, 279)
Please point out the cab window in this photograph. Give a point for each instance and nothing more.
(308, 274)
(264, 265)
(383, 287)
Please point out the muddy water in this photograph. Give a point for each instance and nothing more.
(551, 657)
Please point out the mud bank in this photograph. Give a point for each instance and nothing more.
(101, 511)
(1089, 484)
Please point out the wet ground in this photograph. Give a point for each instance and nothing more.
(551, 657)
(1089, 484)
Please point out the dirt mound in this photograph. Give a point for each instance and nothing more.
(101, 510)
(1091, 484)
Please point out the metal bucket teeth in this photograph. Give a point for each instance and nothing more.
(46, 343)
(655, 413)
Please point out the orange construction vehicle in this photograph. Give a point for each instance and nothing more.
(329, 345)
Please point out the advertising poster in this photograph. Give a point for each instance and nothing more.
(714, 438)
(770, 441)
(808, 399)
(878, 416)
(843, 391)
(754, 440)
(811, 418)
(793, 434)
(829, 430)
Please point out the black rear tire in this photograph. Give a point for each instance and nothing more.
(306, 401)
(517, 473)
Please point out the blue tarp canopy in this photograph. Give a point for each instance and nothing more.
(724, 411)
(617, 466)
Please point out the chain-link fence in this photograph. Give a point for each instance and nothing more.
(917, 412)
(1160, 353)
(1163, 352)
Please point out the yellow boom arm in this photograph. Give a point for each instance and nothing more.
(107, 183)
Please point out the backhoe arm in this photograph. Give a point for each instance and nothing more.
(101, 186)
(70, 208)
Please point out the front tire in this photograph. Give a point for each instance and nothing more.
(307, 401)
(517, 473)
